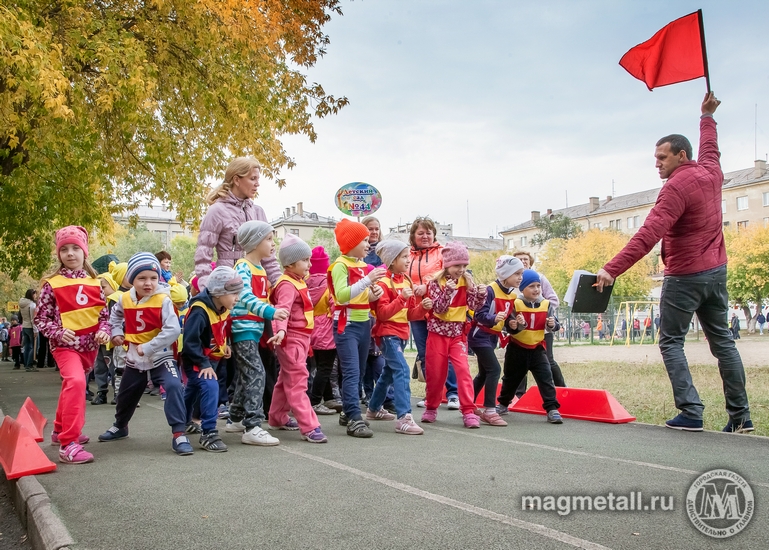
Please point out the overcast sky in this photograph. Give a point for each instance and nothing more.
(512, 105)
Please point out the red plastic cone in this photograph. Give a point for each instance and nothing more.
(31, 418)
(578, 403)
(20, 455)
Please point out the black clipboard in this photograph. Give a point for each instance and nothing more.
(587, 299)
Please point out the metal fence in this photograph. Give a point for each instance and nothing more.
(617, 324)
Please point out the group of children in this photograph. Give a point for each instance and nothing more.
(130, 317)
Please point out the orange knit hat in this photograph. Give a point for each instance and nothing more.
(349, 234)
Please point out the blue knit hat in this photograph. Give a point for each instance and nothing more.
(141, 261)
(529, 276)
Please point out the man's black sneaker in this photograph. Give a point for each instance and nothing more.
(100, 399)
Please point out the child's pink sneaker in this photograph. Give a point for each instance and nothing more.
(82, 438)
(74, 454)
(471, 420)
(429, 415)
(490, 418)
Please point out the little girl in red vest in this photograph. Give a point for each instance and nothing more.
(452, 292)
(292, 343)
(72, 314)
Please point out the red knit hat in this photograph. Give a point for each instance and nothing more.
(349, 234)
(72, 234)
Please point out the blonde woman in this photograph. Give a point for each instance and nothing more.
(231, 206)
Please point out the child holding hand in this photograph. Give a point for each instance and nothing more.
(452, 292)
(526, 351)
(488, 324)
(394, 309)
(72, 314)
(292, 343)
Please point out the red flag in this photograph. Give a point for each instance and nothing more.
(675, 54)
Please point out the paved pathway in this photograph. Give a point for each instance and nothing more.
(450, 488)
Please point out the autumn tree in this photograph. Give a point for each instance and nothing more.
(556, 226)
(483, 265)
(325, 238)
(747, 273)
(591, 250)
(107, 104)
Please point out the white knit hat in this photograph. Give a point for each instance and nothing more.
(389, 250)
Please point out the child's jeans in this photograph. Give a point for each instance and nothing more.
(440, 350)
(70, 413)
(290, 393)
(207, 389)
(132, 388)
(352, 350)
(396, 372)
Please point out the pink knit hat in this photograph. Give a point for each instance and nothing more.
(319, 260)
(72, 234)
(455, 253)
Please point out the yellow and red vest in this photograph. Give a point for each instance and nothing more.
(260, 286)
(182, 315)
(143, 321)
(80, 302)
(307, 308)
(323, 307)
(219, 324)
(457, 312)
(536, 321)
(394, 290)
(355, 272)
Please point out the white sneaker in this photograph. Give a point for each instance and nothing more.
(258, 436)
(234, 427)
(421, 404)
(453, 404)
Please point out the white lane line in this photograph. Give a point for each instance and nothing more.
(580, 453)
(482, 512)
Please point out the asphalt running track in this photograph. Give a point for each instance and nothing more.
(450, 488)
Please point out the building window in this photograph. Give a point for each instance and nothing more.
(611, 224)
(766, 199)
(618, 224)
(524, 241)
(726, 224)
(163, 236)
(636, 221)
(742, 203)
(597, 225)
(630, 223)
(723, 204)
(742, 225)
(295, 231)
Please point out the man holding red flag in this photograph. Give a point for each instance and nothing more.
(687, 218)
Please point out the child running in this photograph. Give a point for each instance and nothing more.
(452, 292)
(205, 345)
(145, 319)
(526, 350)
(394, 309)
(292, 343)
(352, 291)
(489, 321)
(72, 314)
(248, 319)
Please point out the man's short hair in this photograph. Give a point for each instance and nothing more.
(677, 143)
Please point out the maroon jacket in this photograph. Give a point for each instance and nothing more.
(686, 216)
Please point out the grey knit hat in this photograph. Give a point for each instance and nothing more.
(293, 249)
(389, 250)
(252, 233)
(223, 280)
(506, 266)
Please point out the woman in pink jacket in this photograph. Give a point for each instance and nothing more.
(231, 206)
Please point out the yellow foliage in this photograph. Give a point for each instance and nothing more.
(591, 250)
(748, 267)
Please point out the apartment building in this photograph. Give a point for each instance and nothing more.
(301, 223)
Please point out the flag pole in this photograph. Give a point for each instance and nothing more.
(704, 50)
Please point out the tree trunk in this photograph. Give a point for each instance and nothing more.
(749, 320)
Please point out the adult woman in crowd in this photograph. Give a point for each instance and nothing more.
(27, 311)
(374, 236)
(231, 205)
(426, 260)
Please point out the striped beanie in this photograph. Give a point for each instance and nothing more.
(141, 261)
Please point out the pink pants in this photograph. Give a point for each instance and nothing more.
(70, 413)
(290, 393)
(440, 350)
